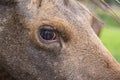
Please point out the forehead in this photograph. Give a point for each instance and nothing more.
(38, 3)
(61, 5)
(69, 10)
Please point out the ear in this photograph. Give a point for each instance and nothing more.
(97, 25)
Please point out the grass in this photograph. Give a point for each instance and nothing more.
(110, 35)
(110, 38)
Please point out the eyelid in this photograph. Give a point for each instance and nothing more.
(64, 29)
(56, 34)
(45, 44)
(60, 29)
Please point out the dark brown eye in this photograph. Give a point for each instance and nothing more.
(48, 34)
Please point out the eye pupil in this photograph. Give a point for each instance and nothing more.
(47, 34)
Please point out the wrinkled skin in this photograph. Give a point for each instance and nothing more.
(77, 55)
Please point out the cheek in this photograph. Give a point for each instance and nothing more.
(1, 29)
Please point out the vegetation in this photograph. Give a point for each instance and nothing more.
(110, 38)
(110, 35)
(112, 1)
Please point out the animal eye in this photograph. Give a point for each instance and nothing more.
(48, 34)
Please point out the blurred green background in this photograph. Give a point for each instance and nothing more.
(110, 35)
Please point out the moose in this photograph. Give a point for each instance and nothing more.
(52, 40)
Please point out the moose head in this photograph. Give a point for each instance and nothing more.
(52, 40)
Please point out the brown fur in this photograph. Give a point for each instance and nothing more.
(97, 25)
(79, 55)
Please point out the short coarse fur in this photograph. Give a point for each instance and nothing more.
(76, 53)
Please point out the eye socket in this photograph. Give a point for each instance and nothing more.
(48, 34)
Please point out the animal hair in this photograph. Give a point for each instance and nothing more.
(7, 2)
(66, 2)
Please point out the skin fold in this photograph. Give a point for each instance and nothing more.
(75, 54)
